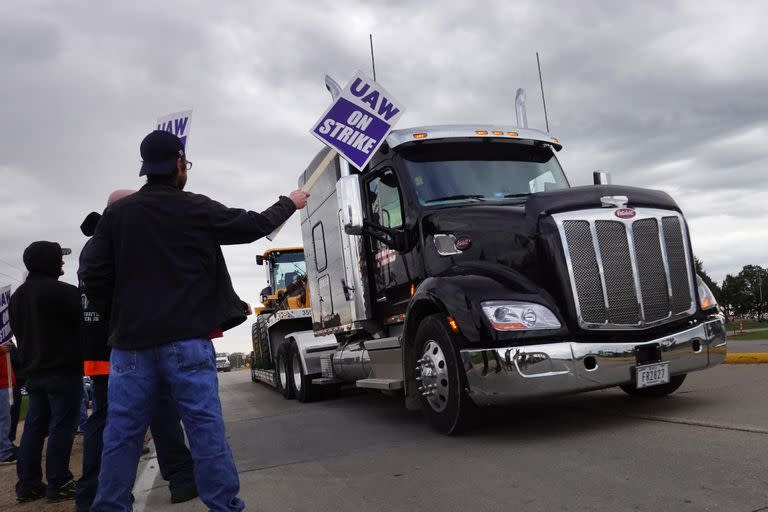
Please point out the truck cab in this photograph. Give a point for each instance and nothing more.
(461, 267)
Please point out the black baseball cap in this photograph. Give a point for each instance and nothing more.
(159, 152)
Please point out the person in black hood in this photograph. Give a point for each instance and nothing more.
(45, 319)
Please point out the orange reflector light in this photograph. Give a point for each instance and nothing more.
(512, 134)
(508, 327)
(413, 289)
(706, 303)
(481, 132)
(497, 132)
(452, 324)
(419, 135)
(554, 139)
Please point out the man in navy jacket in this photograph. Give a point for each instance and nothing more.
(156, 258)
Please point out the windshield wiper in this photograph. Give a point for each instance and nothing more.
(525, 194)
(456, 196)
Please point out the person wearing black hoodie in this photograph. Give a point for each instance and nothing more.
(45, 319)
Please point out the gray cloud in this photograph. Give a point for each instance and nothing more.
(668, 95)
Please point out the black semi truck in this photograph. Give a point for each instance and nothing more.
(461, 269)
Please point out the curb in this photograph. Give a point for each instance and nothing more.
(746, 358)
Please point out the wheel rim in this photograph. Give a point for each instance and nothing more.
(432, 374)
(296, 372)
(282, 373)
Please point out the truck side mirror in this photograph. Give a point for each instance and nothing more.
(601, 178)
(350, 201)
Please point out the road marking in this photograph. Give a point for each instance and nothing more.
(144, 483)
(698, 423)
(746, 358)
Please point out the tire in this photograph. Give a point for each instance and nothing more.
(253, 372)
(302, 383)
(448, 409)
(655, 391)
(283, 371)
(262, 358)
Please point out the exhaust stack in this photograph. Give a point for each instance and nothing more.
(333, 87)
(520, 113)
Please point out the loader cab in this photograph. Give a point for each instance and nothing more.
(285, 270)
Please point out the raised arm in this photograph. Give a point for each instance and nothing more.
(238, 226)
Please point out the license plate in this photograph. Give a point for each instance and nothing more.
(652, 375)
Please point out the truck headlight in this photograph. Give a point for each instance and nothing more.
(519, 316)
(706, 298)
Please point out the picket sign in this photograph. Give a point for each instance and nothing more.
(354, 126)
(178, 123)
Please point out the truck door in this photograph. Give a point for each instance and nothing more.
(390, 277)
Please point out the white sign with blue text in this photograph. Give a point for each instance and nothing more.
(5, 322)
(359, 120)
(177, 123)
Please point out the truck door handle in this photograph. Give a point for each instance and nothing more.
(346, 289)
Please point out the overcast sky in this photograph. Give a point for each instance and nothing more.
(669, 95)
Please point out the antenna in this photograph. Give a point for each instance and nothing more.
(541, 83)
(373, 61)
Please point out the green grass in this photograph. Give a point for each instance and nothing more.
(756, 335)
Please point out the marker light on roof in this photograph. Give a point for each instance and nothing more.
(554, 139)
(481, 132)
(497, 132)
(512, 134)
(419, 135)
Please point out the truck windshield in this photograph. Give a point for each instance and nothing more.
(481, 171)
(286, 268)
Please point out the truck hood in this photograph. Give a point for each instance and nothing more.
(519, 242)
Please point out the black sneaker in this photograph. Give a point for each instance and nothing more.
(63, 493)
(30, 495)
(184, 494)
(11, 459)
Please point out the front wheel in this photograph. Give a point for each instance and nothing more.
(283, 371)
(655, 391)
(444, 399)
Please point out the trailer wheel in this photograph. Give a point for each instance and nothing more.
(253, 369)
(302, 383)
(656, 391)
(444, 400)
(283, 371)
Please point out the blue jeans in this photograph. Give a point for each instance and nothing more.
(137, 377)
(173, 457)
(6, 447)
(54, 406)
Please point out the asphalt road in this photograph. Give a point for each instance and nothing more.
(703, 448)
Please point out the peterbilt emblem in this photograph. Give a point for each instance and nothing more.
(625, 213)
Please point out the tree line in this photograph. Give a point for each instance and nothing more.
(743, 294)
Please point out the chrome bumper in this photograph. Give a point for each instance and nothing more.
(501, 375)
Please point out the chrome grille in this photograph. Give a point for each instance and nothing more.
(627, 274)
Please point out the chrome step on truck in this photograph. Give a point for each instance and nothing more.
(460, 269)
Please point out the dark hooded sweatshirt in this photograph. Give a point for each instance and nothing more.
(45, 316)
(156, 262)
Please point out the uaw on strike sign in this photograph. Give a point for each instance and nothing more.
(5, 322)
(177, 123)
(359, 120)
